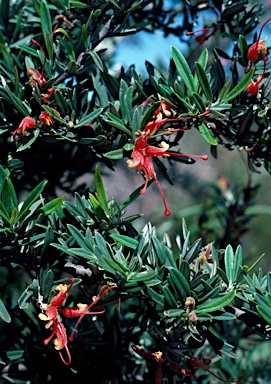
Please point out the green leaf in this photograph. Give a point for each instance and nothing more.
(133, 287)
(4, 313)
(225, 90)
(22, 146)
(51, 206)
(3, 213)
(198, 100)
(89, 118)
(46, 23)
(179, 283)
(213, 305)
(97, 60)
(133, 196)
(207, 135)
(22, 301)
(125, 240)
(169, 297)
(47, 283)
(265, 313)
(238, 261)
(78, 236)
(203, 58)
(117, 154)
(229, 263)
(240, 87)
(183, 69)
(48, 239)
(174, 312)
(243, 50)
(116, 122)
(78, 4)
(143, 277)
(158, 298)
(224, 316)
(6, 196)
(101, 91)
(64, 32)
(17, 103)
(100, 190)
(193, 252)
(117, 265)
(31, 198)
(15, 355)
(204, 82)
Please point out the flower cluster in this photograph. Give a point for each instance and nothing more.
(53, 311)
(258, 49)
(37, 80)
(29, 123)
(161, 357)
(142, 152)
(205, 31)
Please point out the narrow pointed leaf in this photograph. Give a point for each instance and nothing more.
(125, 240)
(89, 118)
(216, 304)
(31, 198)
(4, 313)
(100, 190)
(207, 135)
(183, 69)
(204, 82)
(240, 87)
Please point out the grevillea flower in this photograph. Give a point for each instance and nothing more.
(46, 97)
(60, 341)
(153, 126)
(63, 289)
(259, 47)
(52, 311)
(37, 78)
(142, 155)
(160, 357)
(205, 36)
(51, 315)
(253, 87)
(84, 310)
(46, 118)
(27, 123)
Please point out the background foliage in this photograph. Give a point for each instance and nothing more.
(66, 112)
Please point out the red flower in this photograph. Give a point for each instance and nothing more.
(60, 342)
(46, 97)
(46, 118)
(63, 289)
(84, 309)
(258, 47)
(35, 76)
(27, 123)
(52, 312)
(51, 315)
(253, 86)
(205, 36)
(153, 126)
(142, 154)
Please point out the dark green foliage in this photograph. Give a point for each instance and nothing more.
(189, 299)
